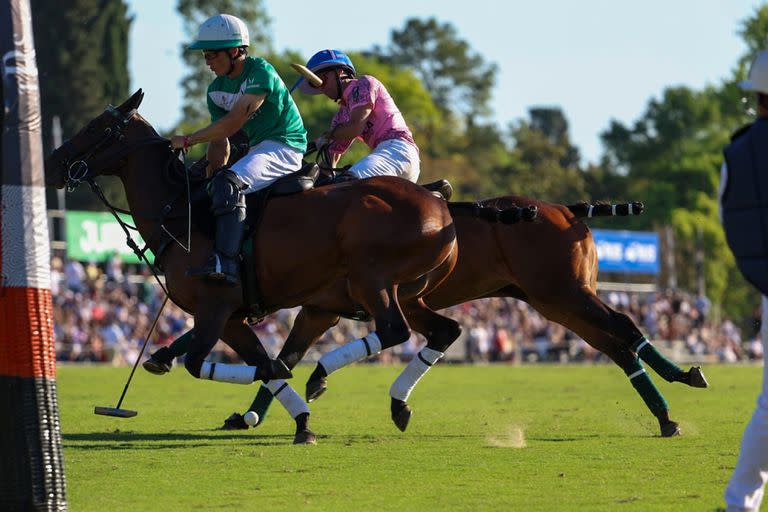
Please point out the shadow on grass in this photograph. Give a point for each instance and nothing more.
(126, 439)
(131, 440)
(570, 439)
(594, 436)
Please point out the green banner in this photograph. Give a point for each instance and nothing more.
(95, 236)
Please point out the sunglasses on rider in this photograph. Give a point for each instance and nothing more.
(209, 55)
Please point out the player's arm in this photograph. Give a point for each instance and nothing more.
(225, 126)
(231, 122)
(358, 116)
(217, 155)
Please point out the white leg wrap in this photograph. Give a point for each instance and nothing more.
(289, 398)
(351, 352)
(419, 365)
(233, 373)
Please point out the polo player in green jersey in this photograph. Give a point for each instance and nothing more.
(247, 95)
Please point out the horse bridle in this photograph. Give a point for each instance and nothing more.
(77, 169)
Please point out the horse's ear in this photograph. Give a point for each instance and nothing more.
(133, 102)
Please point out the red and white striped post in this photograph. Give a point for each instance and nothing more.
(31, 463)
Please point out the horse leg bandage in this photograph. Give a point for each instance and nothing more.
(668, 370)
(410, 376)
(351, 352)
(286, 395)
(645, 387)
(233, 373)
(261, 403)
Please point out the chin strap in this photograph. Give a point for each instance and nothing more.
(338, 87)
(231, 65)
(232, 61)
(339, 90)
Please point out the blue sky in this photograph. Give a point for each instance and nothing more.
(596, 59)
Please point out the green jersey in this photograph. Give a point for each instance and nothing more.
(277, 119)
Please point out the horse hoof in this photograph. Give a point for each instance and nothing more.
(305, 437)
(280, 370)
(316, 387)
(401, 414)
(156, 367)
(234, 422)
(670, 429)
(275, 369)
(696, 378)
(160, 362)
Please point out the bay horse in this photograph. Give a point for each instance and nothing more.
(550, 264)
(375, 235)
(387, 240)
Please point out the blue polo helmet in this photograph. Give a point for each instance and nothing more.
(322, 60)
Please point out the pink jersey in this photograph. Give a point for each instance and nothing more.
(385, 121)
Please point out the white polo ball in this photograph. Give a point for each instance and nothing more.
(251, 418)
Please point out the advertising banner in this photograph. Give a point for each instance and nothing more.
(96, 236)
(627, 251)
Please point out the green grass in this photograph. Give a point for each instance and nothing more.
(482, 438)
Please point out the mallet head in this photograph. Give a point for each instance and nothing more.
(114, 411)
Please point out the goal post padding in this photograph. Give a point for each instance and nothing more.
(31, 465)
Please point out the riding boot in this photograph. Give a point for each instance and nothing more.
(223, 264)
(228, 205)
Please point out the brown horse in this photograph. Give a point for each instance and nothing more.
(550, 264)
(385, 240)
(379, 237)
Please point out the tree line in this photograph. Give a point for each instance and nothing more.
(669, 157)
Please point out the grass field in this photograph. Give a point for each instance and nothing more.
(481, 438)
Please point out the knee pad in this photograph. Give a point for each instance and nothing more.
(226, 192)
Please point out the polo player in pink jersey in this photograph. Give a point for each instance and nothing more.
(366, 112)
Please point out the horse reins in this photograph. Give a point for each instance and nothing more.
(78, 172)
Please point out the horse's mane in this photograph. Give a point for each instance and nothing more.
(138, 117)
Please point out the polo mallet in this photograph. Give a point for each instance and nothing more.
(127, 413)
(309, 76)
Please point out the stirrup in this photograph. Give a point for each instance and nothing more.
(215, 270)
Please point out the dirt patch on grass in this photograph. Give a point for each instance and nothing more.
(514, 437)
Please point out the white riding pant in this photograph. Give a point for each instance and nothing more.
(747, 485)
(393, 157)
(265, 162)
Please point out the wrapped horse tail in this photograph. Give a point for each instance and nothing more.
(588, 210)
(510, 215)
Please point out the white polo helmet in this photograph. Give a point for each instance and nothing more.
(758, 75)
(221, 31)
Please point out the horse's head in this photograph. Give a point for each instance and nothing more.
(72, 162)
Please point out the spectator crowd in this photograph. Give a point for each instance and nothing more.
(102, 315)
